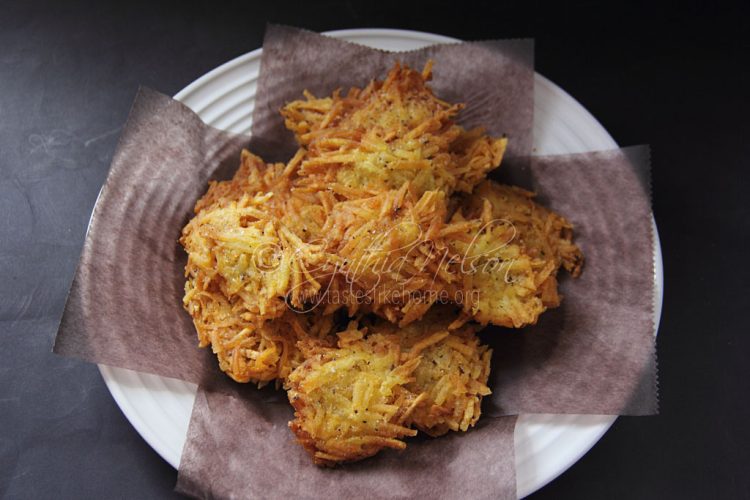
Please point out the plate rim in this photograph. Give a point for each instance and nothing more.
(156, 442)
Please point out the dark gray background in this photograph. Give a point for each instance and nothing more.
(674, 76)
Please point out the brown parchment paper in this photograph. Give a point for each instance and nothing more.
(596, 353)
(240, 447)
(494, 78)
(124, 306)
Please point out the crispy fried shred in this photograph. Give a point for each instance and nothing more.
(452, 372)
(383, 219)
(387, 134)
(350, 401)
(545, 236)
(366, 393)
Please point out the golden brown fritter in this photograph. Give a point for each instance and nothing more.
(249, 350)
(253, 176)
(243, 251)
(389, 133)
(499, 280)
(350, 401)
(452, 373)
(365, 394)
(270, 184)
(542, 233)
(393, 252)
(244, 263)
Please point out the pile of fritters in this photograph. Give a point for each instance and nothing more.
(357, 275)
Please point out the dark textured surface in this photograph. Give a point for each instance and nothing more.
(675, 78)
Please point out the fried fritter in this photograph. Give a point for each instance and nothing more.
(350, 401)
(452, 373)
(389, 133)
(542, 233)
(393, 251)
(271, 184)
(253, 176)
(364, 394)
(244, 263)
(402, 256)
(244, 252)
(249, 350)
(499, 280)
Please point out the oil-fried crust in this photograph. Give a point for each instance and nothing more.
(542, 234)
(384, 135)
(366, 394)
(452, 374)
(351, 402)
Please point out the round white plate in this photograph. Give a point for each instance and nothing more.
(546, 445)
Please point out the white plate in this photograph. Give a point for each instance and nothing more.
(546, 445)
